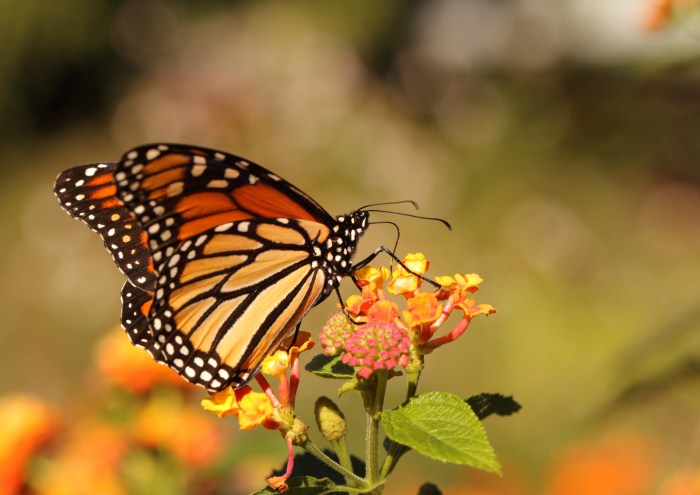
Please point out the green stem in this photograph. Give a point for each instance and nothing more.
(412, 388)
(341, 448)
(374, 405)
(351, 477)
(393, 454)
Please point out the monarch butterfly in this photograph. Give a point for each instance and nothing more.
(222, 257)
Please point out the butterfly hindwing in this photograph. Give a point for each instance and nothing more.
(136, 305)
(227, 299)
(88, 193)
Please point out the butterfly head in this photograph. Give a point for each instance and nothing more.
(350, 227)
(343, 243)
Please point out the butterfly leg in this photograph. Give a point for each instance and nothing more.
(345, 311)
(379, 250)
(296, 334)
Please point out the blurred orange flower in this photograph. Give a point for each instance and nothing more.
(131, 368)
(88, 462)
(473, 482)
(621, 465)
(25, 424)
(187, 434)
(685, 482)
(657, 14)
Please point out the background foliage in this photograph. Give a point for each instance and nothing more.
(558, 137)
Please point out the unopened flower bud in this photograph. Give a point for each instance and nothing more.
(330, 419)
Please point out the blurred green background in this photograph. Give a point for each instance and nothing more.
(559, 139)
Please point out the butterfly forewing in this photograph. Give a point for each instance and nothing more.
(178, 192)
(88, 193)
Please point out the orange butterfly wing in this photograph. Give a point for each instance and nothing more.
(88, 193)
(234, 249)
(223, 258)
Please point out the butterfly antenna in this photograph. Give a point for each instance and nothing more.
(435, 219)
(396, 242)
(402, 202)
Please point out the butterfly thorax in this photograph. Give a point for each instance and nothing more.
(340, 247)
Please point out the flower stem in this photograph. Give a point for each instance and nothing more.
(412, 388)
(341, 449)
(351, 477)
(395, 451)
(449, 337)
(374, 404)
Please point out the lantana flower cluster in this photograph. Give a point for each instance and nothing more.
(267, 409)
(372, 333)
(384, 336)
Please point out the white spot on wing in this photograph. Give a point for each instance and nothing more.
(198, 170)
(152, 154)
(174, 189)
(217, 184)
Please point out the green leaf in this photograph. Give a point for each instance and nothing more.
(330, 367)
(304, 485)
(442, 426)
